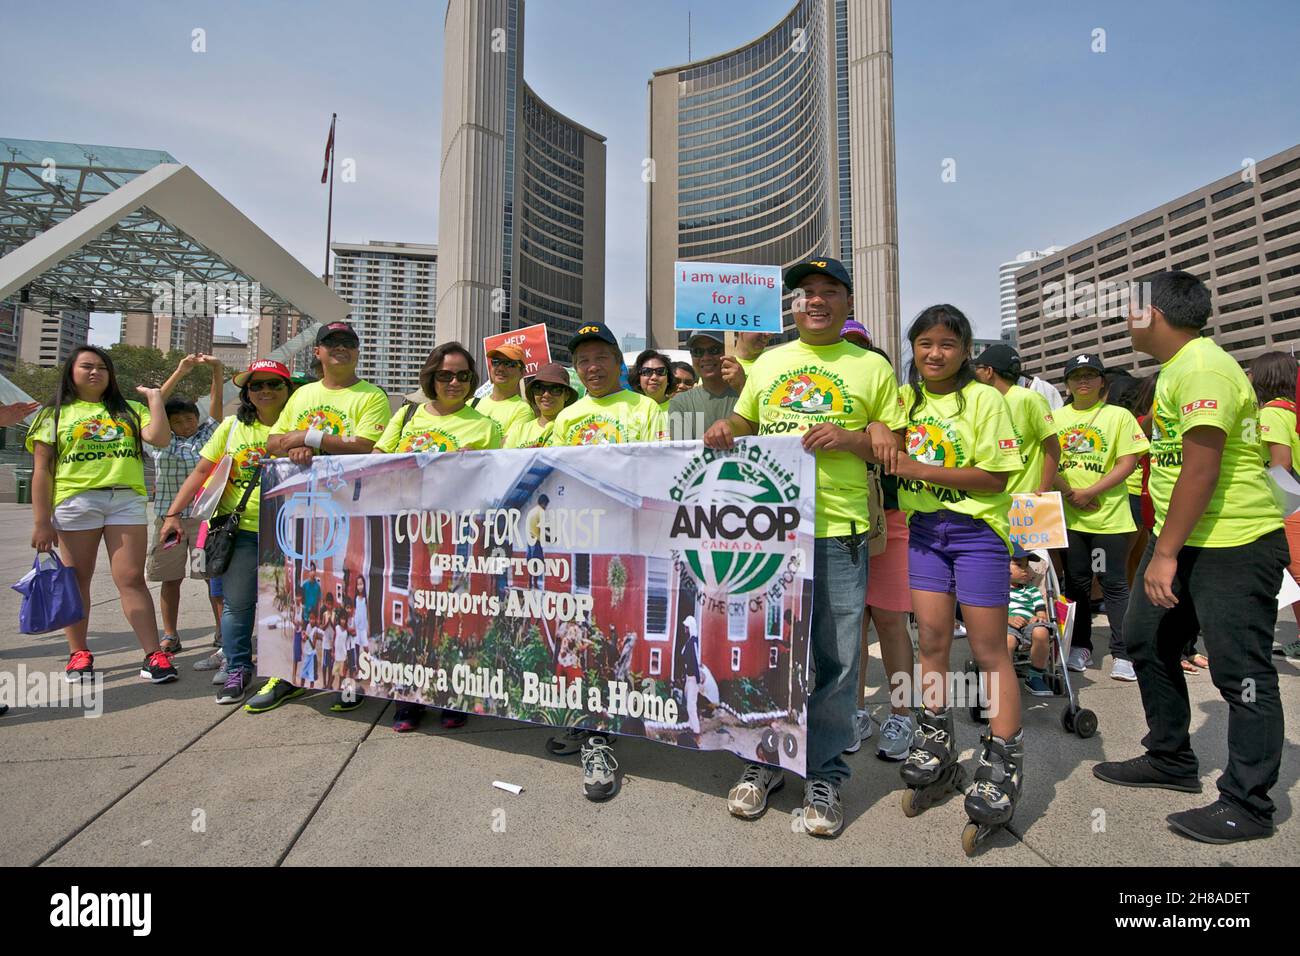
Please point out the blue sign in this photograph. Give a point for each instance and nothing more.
(724, 297)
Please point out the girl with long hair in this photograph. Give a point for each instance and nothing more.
(88, 486)
(1273, 376)
(960, 449)
(264, 390)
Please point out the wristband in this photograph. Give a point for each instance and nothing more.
(313, 438)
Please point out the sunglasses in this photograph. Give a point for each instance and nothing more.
(712, 352)
(549, 389)
(657, 372)
(448, 377)
(272, 385)
(340, 344)
(506, 363)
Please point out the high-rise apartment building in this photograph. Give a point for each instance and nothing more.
(1007, 289)
(167, 332)
(47, 339)
(521, 215)
(1239, 234)
(778, 151)
(390, 288)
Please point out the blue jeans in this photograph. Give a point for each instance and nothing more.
(839, 595)
(240, 586)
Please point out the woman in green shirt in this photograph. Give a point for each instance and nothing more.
(1100, 446)
(549, 393)
(652, 375)
(264, 390)
(443, 424)
(88, 486)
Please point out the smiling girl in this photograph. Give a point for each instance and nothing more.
(961, 448)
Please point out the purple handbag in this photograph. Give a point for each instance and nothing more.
(51, 598)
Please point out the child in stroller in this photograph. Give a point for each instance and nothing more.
(1028, 625)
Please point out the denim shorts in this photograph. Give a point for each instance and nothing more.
(949, 551)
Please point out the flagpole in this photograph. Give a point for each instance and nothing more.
(329, 216)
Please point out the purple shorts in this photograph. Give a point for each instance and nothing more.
(947, 550)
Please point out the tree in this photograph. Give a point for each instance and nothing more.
(38, 382)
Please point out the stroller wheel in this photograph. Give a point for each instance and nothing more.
(1067, 720)
(1085, 724)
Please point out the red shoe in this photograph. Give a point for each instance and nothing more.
(81, 664)
(158, 668)
(453, 719)
(407, 717)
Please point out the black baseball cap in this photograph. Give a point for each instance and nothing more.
(1086, 360)
(821, 266)
(596, 331)
(1003, 359)
(336, 328)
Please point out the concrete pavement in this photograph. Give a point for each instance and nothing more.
(168, 777)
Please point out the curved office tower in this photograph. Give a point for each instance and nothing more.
(521, 217)
(777, 151)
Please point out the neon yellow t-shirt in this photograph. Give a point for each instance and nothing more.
(1277, 427)
(745, 363)
(978, 436)
(617, 419)
(1133, 483)
(506, 413)
(358, 411)
(1031, 417)
(95, 449)
(1092, 442)
(533, 433)
(247, 451)
(795, 386)
(465, 429)
(1202, 386)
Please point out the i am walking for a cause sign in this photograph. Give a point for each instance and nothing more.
(723, 297)
(531, 338)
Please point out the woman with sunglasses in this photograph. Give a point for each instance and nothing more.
(263, 392)
(445, 423)
(549, 393)
(652, 376)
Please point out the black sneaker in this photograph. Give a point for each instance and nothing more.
(343, 704)
(158, 668)
(1220, 822)
(1139, 772)
(235, 688)
(273, 693)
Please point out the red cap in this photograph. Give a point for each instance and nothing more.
(261, 365)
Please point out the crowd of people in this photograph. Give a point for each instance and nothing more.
(1166, 496)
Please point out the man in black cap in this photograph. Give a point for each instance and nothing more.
(608, 413)
(1031, 417)
(339, 415)
(845, 403)
(691, 412)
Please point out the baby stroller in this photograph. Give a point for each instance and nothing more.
(1074, 719)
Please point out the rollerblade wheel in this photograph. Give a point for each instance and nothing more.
(970, 838)
(1085, 724)
(790, 746)
(1067, 720)
(911, 807)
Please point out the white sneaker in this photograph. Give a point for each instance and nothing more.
(748, 798)
(959, 629)
(212, 661)
(823, 814)
(865, 727)
(1080, 659)
(896, 737)
(1122, 670)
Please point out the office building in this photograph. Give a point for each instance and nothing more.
(390, 288)
(778, 151)
(1239, 234)
(521, 216)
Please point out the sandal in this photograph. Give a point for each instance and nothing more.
(407, 717)
(170, 644)
(1189, 667)
(1201, 661)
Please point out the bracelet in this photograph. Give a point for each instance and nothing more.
(313, 438)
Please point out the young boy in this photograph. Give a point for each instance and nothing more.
(1028, 623)
(1215, 559)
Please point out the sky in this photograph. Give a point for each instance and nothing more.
(1054, 130)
